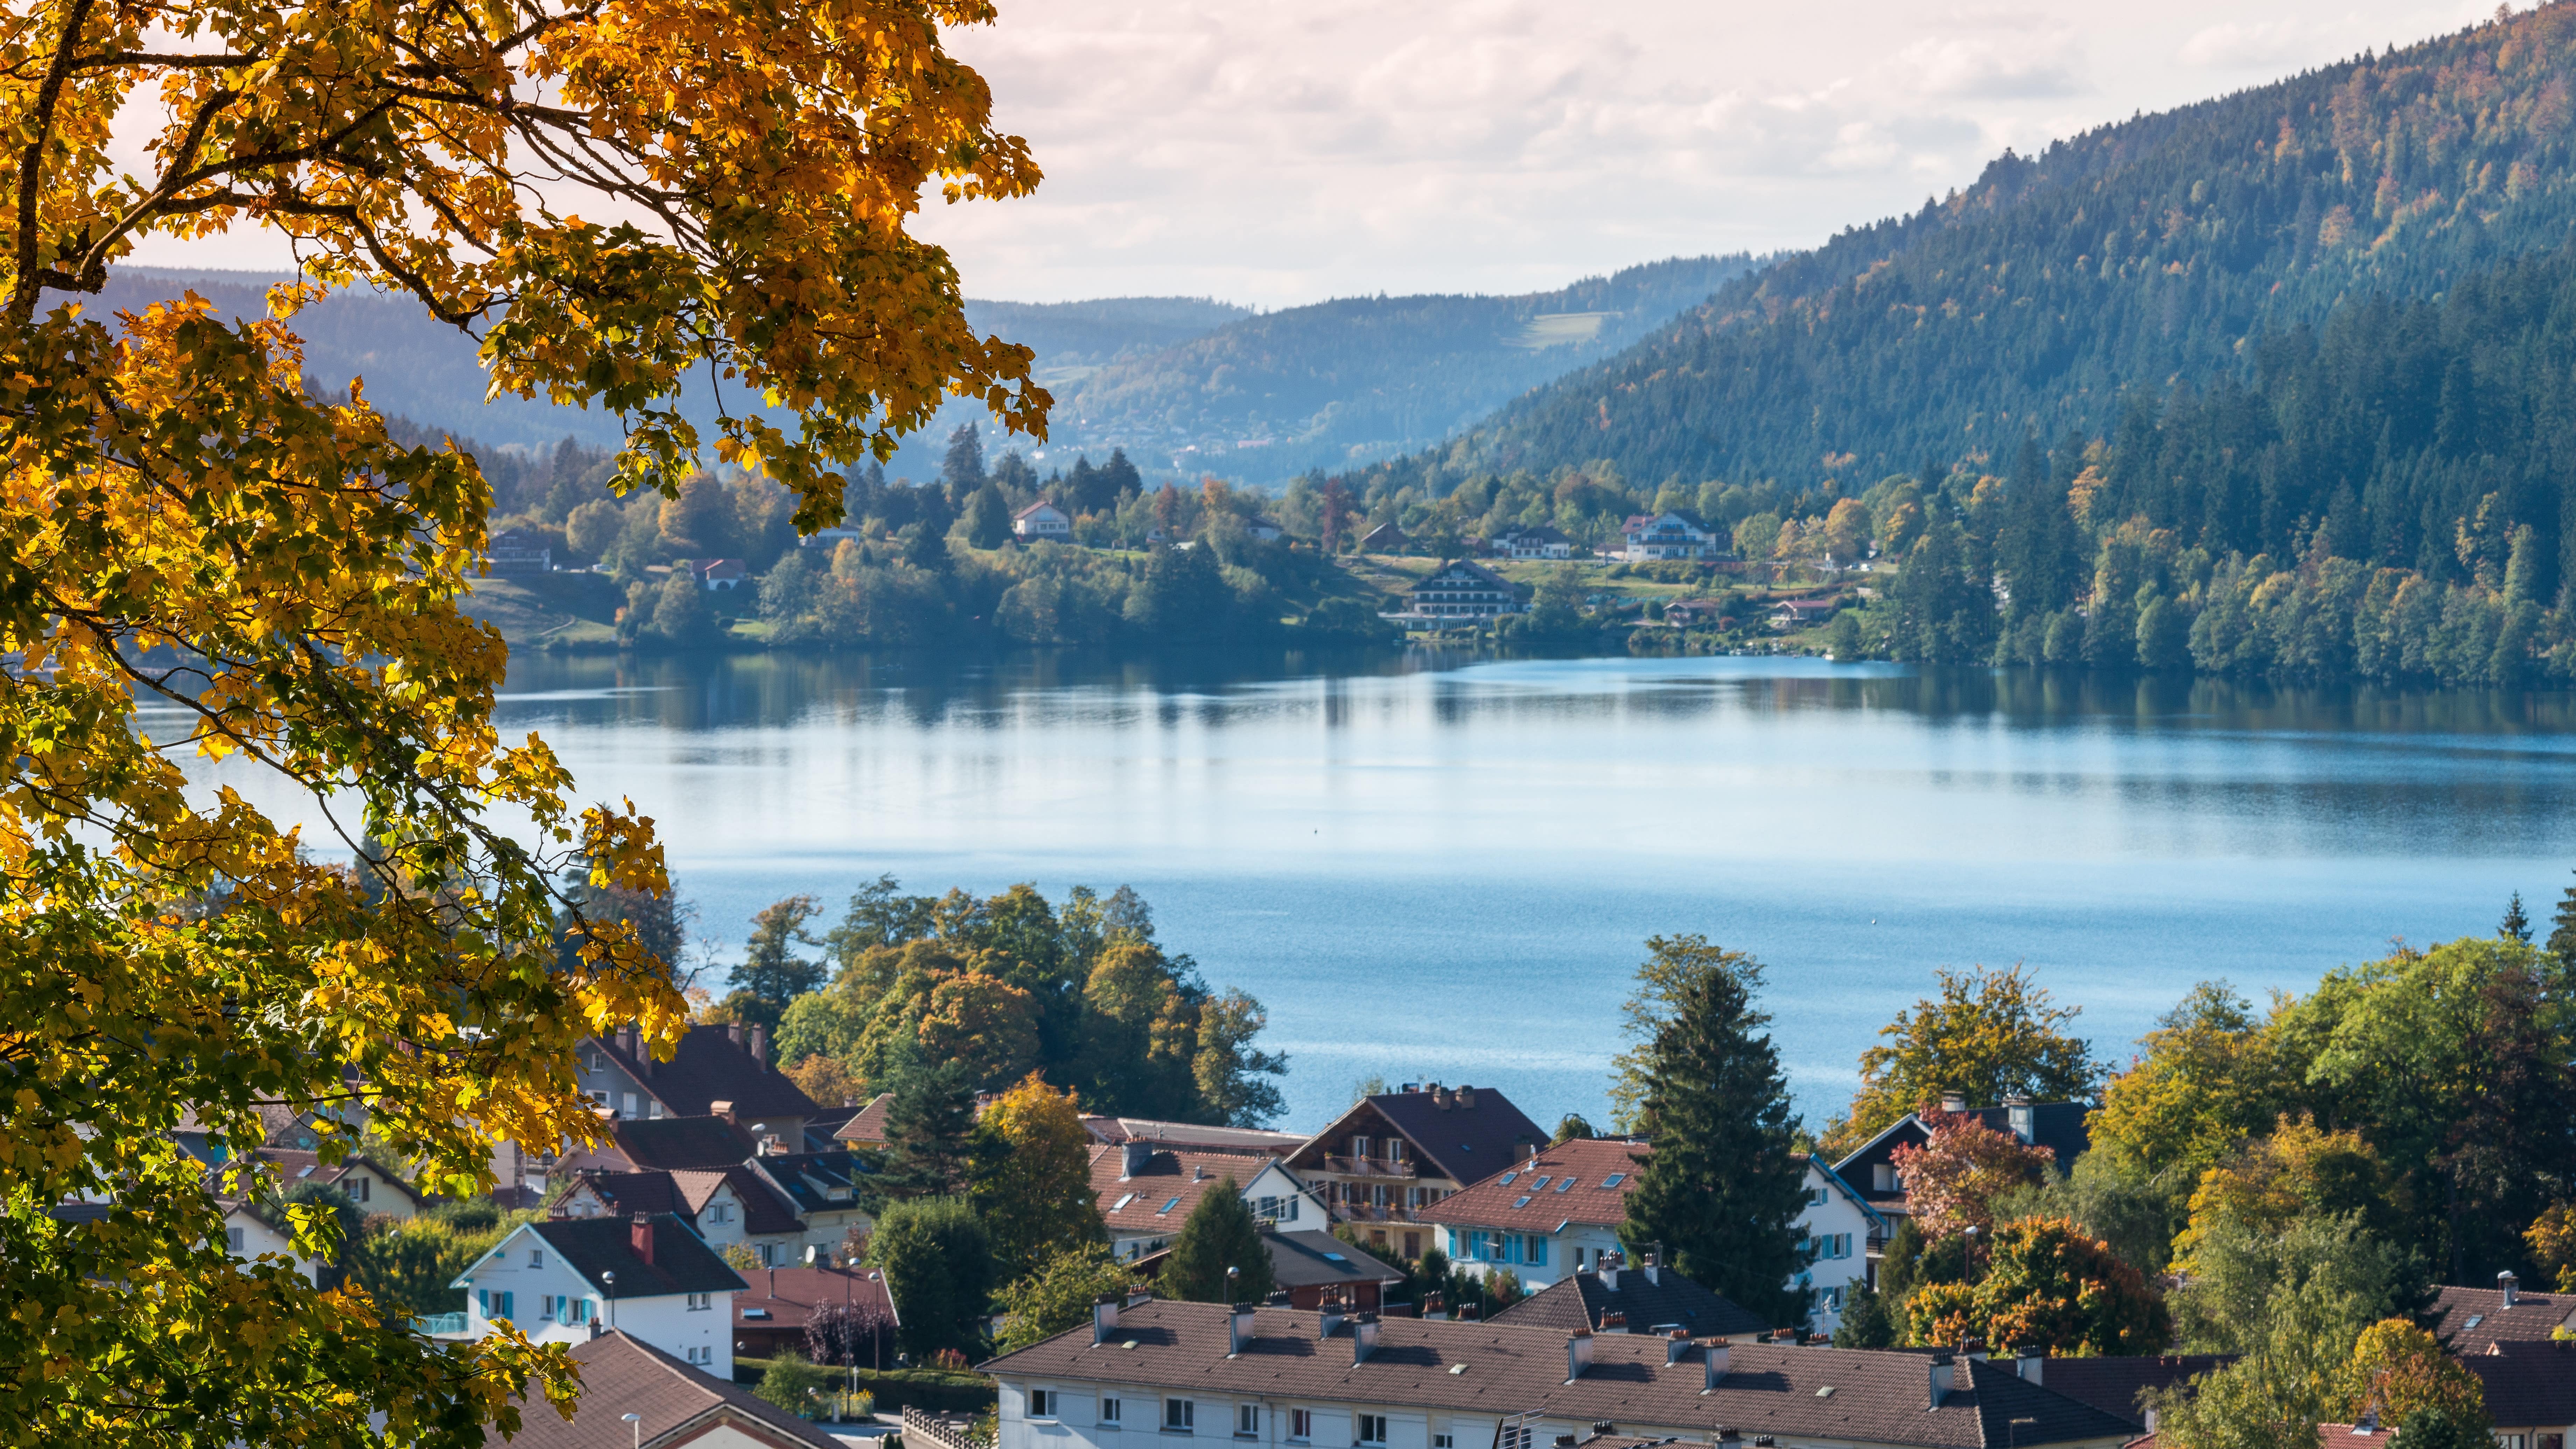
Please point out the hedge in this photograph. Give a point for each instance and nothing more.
(897, 1389)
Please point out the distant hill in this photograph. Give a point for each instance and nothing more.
(1075, 338)
(2134, 256)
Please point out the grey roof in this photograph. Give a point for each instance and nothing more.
(2468, 1320)
(1312, 1259)
(653, 1143)
(682, 1261)
(1581, 1300)
(2114, 1384)
(1875, 1397)
(1463, 1144)
(708, 1067)
(2528, 1385)
(622, 1374)
(809, 1179)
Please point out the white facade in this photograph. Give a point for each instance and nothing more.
(1539, 1259)
(527, 1282)
(247, 1235)
(1670, 536)
(1274, 1195)
(1042, 520)
(1036, 1414)
(1837, 1226)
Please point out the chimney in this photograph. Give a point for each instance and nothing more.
(1578, 1354)
(1614, 1321)
(2510, 1287)
(1728, 1437)
(733, 1031)
(1329, 1322)
(759, 1045)
(1940, 1378)
(1465, 1096)
(1609, 1272)
(1104, 1317)
(1468, 1313)
(1713, 1363)
(1954, 1101)
(2027, 1359)
(1675, 1346)
(1198, 1172)
(1655, 1263)
(721, 1109)
(1135, 1155)
(1972, 1348)
(1363, 1336)
(1238, 1329)
(639, 1236)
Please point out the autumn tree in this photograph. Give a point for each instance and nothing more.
(190, 526)
(2552, 1238)
(771, 974)
(1033, 1176)
(2207, 1079)
(1954, 1177)
(1991, 1034)
(2400, 1370)
(2045, 1282)
(1058, 1294)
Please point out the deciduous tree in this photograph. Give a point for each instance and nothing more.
(1992, 1033)
(1954, 1178)
(1219, 1234)
(1033, 1176)
(1059, 1294)
(2045, 1282)
(2401, 1370)
(938, 1265)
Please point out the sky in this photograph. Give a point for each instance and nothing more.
(1276, 154)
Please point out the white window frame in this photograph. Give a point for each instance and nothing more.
(1108, 1411)
(1247, 1421)
(1180, 1416)
(1041, 1404)
(1362, 1426)
(701, 1302)
(1301, 1425)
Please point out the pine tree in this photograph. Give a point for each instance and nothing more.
(2562, 935)
(1219, 1234)
(2516, 926)
(1866, 1321)
(1724, 1187)
(963, 467)
(930, 1126)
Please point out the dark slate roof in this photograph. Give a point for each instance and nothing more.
(1313, 1259)
(1534, 1195)
(814, 1181)
(685, 1193)
(621, 1374)
(1878, 1398)
(766, 1210)
(682, 1261)
(1581, 1299)
(710, 1067)
(2528, 1385)
(2469, 1320)
(2061, 1127)
(787, 1297)
(1463, 1144)
(662, 1143)
(2114, 1384)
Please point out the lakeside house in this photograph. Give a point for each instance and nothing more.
(1694, 613)
(1800, 613)
(1145, 1192)
(717, 575)
(1392, 1155)
(519, 553)
(1650, 1299)
(1545, 1217)
(1840, 1227)
(562, 1279)
(1462, 589)
(1870, 1169)
(1662, 536)
(1542, 542)
(1042, 520)
(1281, 1377)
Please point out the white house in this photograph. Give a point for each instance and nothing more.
(1839, 1226)
(1146, 1191)
(373, 1187)
(1463, 589)
(1541, 542)
(247, 1235)
(560, 1280)
(1545, 1217)
(1666, 536)
(1041, 520)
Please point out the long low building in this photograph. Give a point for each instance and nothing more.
(1273, 1376)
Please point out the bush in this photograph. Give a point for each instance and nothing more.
(894, 1389)
(797, 1384)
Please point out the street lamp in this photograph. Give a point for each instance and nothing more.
(636, 1421)
(608, 1279)
(1231, 1274)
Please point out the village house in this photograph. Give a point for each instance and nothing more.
(778, 1302)
(372, 1186)
(2474, 1320)
(1042, 520)
(1840, 1227)
(1146, 1192)
(634, 1394)
(2530, 1390)
(1463, 589)
(824, 1188)
(1870, 1169)
(723, 1206)
(1800, 613)
(1651, 1299)
(718, 575)
(1385, 538)
(1545, 1217)
(519, 553)
(867, 1127)
(826, 540)
(1662, 536)
(721, 1071)
(1263, 529)
(563, 1279)
(1312, 1269)
(1392, 1155)
(1541, 542)
(1695, 613)
(1276, 1376)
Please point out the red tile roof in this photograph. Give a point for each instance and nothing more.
(1570, 1182)
(621, 1374)
(1161, 1197)
(787, 1297)
(869, 1125)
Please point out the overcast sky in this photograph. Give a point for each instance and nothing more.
(1273, 154)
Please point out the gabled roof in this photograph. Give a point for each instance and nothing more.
(1465, 569)
(869, 1124)
(1876, 1398)
(666, 1143)
(1837, 1184)
(1454, 1140)
(814, 1182)
(1160, 1197)
(1583, 1300)
(686, 1193)
(2058, 1126)
(682, 1261)
(295, 1166)
(2528, 1385)
(2471, 1320)
(787, 1297)
(1193, 1135)
(2114, 1384)
(1317, 1259)
(1034, 509)
(1568, 1183)
(622, 1374)
(711, 1066)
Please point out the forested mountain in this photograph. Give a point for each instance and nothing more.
(1073, 338)
(2133, 255)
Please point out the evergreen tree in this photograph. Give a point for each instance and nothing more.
(1218, 1235)
(2444, 1429)
(2562, 934)
(2516, 926)
(1724, 1187)
(961, 471)
(1120, 478)
(930, 1128)
(938, 1265)
(1866, 1321)
(988, 517)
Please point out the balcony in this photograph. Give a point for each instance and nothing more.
(440, 1325)
(1368, 1167)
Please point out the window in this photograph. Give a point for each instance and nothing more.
(1511, 1176)
(536, 1257)
(702, 1354)
(1301, 1424)
(1614, 1179)
(1359, 1148)
(1041, 1404)
(1522, 1201)
(1168, 1205)
(1565, 1182)
(1537, 1257)
(581, 1310)
(1815, 1197)
(701, 1302)
(1108, 1412)
(721, 1212)
(1444, 1441)
(361, 1184)
(1372, 1429)
(1247, 1421)
(233, 1239)
(630, 1104)
(769, 1255)
(1180, 1416)
(1122, 1202)
(497, 1305)
(1539, 1183)
(1288, 1205)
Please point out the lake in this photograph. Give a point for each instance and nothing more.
(1434, 867)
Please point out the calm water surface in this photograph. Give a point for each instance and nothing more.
(1443, 869)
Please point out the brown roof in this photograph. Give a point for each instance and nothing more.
(2528, 1385)
(1466, 1134)
(2469, 1320)
(2114, 1384)
(621, 1374)
(786, 1297)
(2351, 1436)
(1161, 1197)
(1876, 1397)
(1566, 1183)
(711, 1067)
(667, 1143)
(1584, 1300)
(869, 1124)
